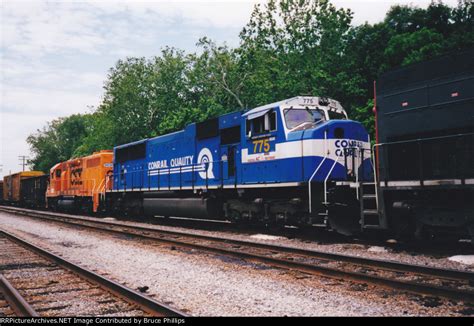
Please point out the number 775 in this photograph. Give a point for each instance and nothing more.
(261, 144)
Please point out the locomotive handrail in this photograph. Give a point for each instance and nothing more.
(100, 188)
(358, 182)
(327, 177)
(424, 139)
(316, 170)
(376, 182)
(356, 170)
(421, 155)
(355, 158)
(168, 172)
(311, 178)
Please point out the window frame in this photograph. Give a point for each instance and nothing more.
(249, 124)
(285, 110)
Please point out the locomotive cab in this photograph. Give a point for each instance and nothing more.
(305, 131)
(305, 144)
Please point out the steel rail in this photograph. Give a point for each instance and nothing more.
(146, 303)
(416, 287)
(372, 262)
(15, 300)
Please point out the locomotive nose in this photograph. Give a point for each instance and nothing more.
(340, 129)
(348, 129)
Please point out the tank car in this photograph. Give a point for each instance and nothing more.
(79, 184)
(274, 164)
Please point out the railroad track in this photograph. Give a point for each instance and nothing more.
(12, 303)
(36, 282)
(437, 282)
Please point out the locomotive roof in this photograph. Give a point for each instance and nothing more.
(224, 122)
(132, 143)
(295, 101)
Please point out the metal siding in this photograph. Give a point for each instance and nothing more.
(12, 184)
(446, 87)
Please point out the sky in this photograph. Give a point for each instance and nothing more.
(55, 55)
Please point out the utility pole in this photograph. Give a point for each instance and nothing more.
(23, 159)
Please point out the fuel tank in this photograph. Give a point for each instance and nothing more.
(205, 208)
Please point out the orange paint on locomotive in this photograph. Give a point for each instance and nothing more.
(82, 179)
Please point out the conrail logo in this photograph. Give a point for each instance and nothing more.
(185, 164)
(205, 157)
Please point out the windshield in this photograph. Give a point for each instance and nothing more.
(301, 117)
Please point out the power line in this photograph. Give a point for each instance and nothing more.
(23, 159)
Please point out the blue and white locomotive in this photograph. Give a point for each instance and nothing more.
(275, 164)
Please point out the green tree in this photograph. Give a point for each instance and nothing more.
(413, 47)
(217, 69)
(295, 47)
(143, 98)
(126, 103)
(57, 141)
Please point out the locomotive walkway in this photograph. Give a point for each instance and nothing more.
(36, 282)
(435, 282)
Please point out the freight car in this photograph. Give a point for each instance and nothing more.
(424, 151)
(78, 184)
(274, 164)
(425, 124)
(33, 191)
(13, 192)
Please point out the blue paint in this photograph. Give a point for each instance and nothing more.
(180, 160)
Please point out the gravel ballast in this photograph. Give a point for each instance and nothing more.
(212, 285)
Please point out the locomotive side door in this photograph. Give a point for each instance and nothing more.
(230, 154)
(228, 162)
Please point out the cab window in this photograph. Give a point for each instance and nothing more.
(298, 118)
(261, 125)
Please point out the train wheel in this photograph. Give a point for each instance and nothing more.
(234, 216)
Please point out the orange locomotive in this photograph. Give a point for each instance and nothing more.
(79, 184)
